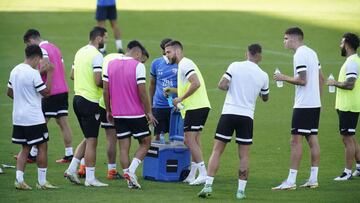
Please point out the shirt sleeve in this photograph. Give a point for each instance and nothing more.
(140, 73)
(10, 81)
(153, 69)
(45, 53)
(38, 82)
(265, 87)
(228, 73)
(97, 62)
(105, 74)
(352, 70)
(188, 69)
(299, 63)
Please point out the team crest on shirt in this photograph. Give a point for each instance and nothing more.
(174, 70)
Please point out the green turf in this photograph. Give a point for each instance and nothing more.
(213, 39)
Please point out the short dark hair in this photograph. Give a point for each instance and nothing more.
(33, 51)
(254, 49)
(164, 42)
(295, 31)
(96, 32)
(134, 43)
(31, 34)
(174, 43)
(352, 40)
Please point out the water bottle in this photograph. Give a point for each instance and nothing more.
(169, 99)
(278, 83)
(331, 87)
(180, 106)
(162, 138)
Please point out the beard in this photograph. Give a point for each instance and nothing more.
(172, 60)
(101, 45)
(343, 51)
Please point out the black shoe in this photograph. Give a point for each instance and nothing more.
(65, 159)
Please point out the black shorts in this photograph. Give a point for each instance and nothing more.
(104, 123)
(347, 122)
(56, 105)
(242, 125)
(305, 121)
(106, 12)
(30, 135)
(137, 127)
(162, 115)
(88, 115)
(195, 119)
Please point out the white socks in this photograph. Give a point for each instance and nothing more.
(19, 176)
(242, 185)
(42, 176)
(73, 165)
(292, 176)
(193, 170)
(209, 180)
(68, 151)
(358, 167)
(82, 162)
(118, 44)
(347, 171)
(90, 173)
(111, 166)
(134, 164)
(314, 174)
(33, 151)
(202, 169)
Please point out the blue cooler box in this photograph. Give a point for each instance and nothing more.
(166, 162)
(169, 161)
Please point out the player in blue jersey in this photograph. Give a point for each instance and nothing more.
(162, 75)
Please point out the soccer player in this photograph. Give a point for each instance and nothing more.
(348, 103)
(109, 130)
(243, 81)
(86, 73)
(26, 88)
(192, 95)
(125, 87)
(162, 75)
(308, 80)
(56, 105)
(106, 10)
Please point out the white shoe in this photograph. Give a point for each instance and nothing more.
(1, 171)
(310, 184)
(199, 180)
(344, 176)
(356, 173)
(189, 179)
(72, 177)
(132, 180)
(285, 186)
(95, 182)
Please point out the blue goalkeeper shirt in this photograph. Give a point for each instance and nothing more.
(165, 75)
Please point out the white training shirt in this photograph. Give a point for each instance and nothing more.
(26, 84)
(247, 81)
(352, 69)
(186, 68)
(308, 96)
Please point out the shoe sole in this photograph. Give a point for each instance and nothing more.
(291, 188)
(310, 186)
(204, 195)
(72, 180)
(135, 186)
